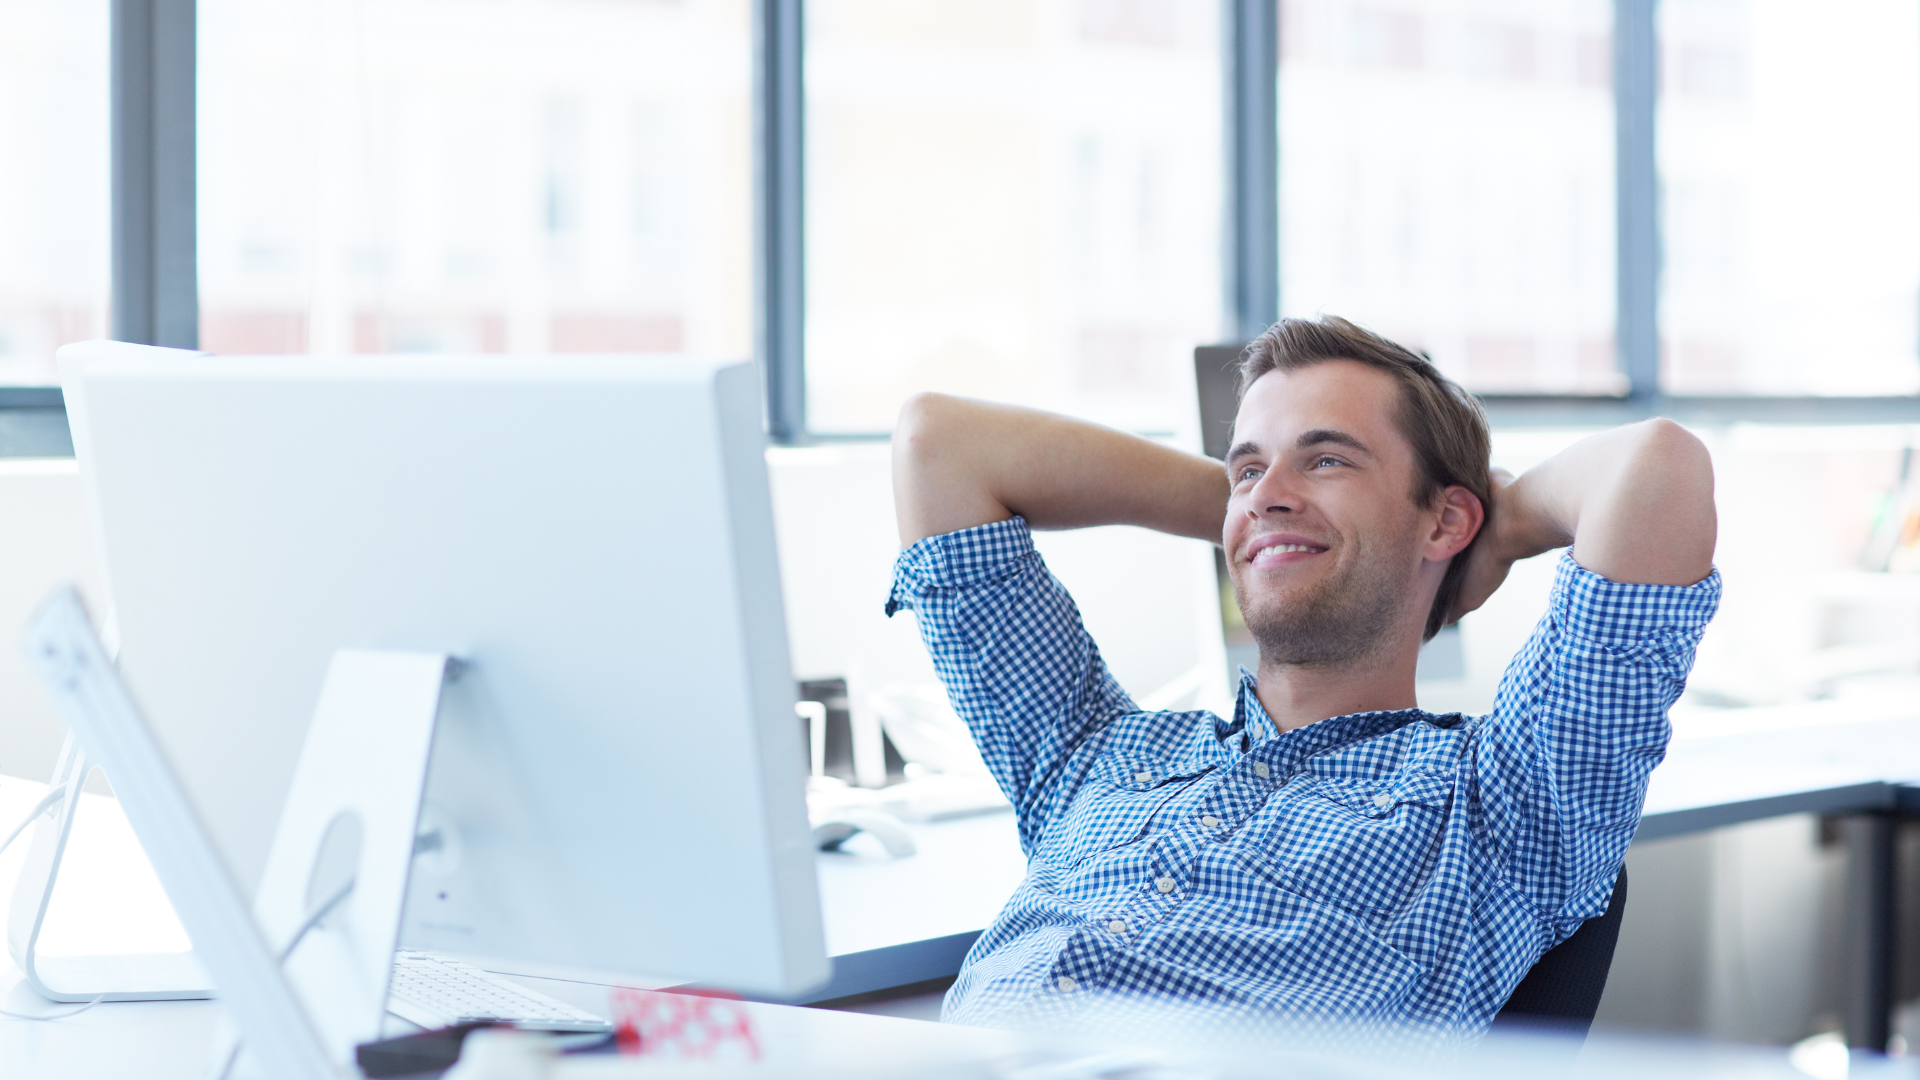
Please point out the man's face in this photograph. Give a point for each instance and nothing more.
(1323, 541)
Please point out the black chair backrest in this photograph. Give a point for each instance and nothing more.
(1562, 990)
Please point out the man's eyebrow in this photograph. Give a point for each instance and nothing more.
(1240, 450)
(1329, 435)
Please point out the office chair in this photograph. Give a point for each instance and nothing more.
(1562, 990)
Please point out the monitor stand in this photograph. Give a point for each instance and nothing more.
(335, 885)
(113, 977)
(308, 972)
(350, 816)
(65, 656)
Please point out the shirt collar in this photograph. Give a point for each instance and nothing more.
(1250, 718)
(1249, 715)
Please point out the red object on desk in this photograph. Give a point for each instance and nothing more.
(690, 1024)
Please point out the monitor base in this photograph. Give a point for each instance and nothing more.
(109, 977)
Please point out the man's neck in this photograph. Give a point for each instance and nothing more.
(1296, 695)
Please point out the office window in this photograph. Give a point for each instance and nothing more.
(1789, 146)
(435, 175)
(55, 218)
(1018, 199)
(1447, 178)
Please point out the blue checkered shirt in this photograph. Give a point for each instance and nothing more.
(1383, 869)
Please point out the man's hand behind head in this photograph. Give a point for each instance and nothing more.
(1490, 559)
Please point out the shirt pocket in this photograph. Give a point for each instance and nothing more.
(1115, 804)
(1364, 845)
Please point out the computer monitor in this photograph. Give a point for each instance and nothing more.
(617, 777)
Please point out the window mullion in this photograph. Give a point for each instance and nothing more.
(1637, 193)
(779, 159)
(156, 289)
(1253, 166)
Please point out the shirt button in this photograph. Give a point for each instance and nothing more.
(1164, 884)
(1143, 777)
(1210, 821)
(1118, 926)
(1383, 800)
(1065, 984)
(1260, 770)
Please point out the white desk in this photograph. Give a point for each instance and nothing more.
(160, 1040)
(895, 922)
(109, 900)
(892, 923)
(1735, 766)
(172, 1040)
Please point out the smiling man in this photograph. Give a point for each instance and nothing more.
(1331, 854)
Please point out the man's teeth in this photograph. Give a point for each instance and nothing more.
(1281, 549)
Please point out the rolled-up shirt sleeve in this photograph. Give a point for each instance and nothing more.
(1559, 769)
(1018, 664)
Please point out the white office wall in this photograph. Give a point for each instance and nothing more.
(44, 541)
(1148, 600)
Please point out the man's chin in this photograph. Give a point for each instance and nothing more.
(1274, 599)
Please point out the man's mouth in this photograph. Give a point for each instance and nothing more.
(1281, 550)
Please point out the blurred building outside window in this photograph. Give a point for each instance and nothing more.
(438, 176)
(55, 269)
(1016, 199)
(1447, 179)
(1789, 149)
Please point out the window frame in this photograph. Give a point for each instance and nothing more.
(156, 294)
(1252, 277)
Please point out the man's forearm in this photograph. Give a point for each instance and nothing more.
(1636, 503)
(958, 463)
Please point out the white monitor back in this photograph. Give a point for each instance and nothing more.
(617, 777)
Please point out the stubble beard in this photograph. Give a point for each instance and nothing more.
(1342, 619)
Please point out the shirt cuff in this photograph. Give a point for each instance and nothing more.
(1618, 615)
(958, 559)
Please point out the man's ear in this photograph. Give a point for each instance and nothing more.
(1459, 521)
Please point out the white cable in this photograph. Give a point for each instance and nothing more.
(52, 796)
(76, 1011)
(313, 920)
(293, 943)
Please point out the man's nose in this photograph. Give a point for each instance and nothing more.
(1273, 493)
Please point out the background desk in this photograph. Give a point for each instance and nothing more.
(893, 923)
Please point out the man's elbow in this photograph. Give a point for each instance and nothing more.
(941, 479)
(1674, 452)
(1672, 474)
(917, 430)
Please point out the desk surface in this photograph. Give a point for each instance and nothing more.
(895, 922)
(890, 923)
(170, 1040)
(1821, 758)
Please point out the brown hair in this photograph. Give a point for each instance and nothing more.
(1445, 424)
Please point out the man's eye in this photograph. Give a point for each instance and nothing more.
(1326, 460)
(1250, 472)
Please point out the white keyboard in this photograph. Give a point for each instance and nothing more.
(437, 991)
